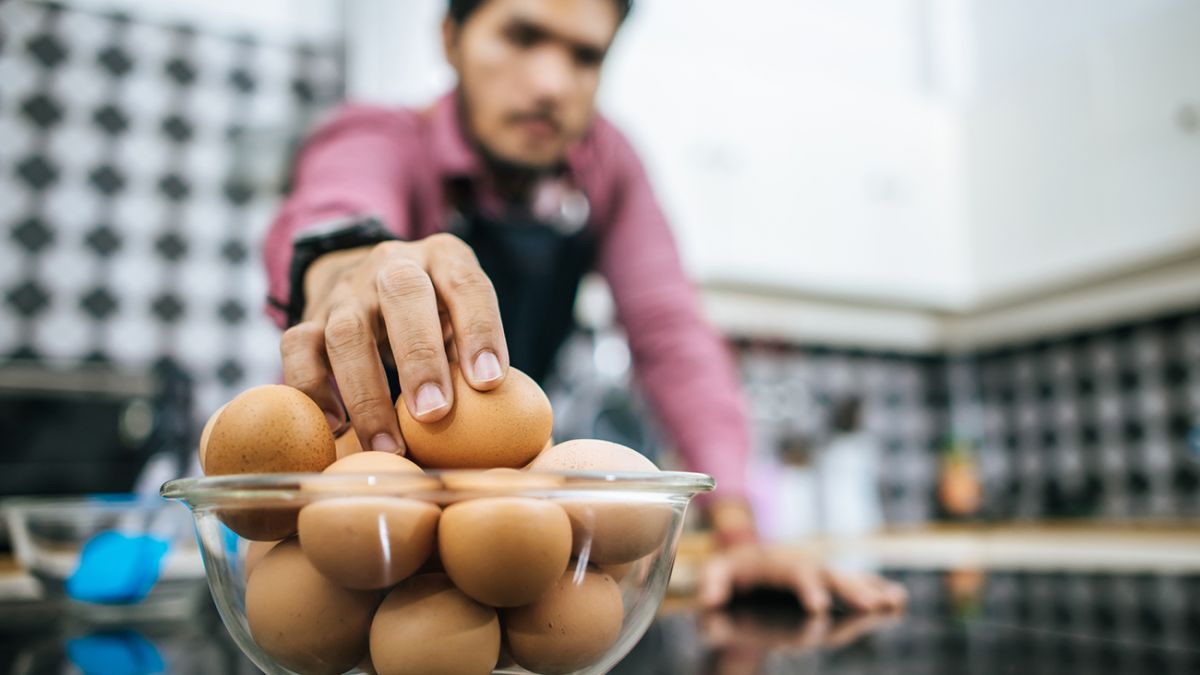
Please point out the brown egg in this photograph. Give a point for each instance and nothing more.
(303, 620)
(255, 551)
(269, 429)
(504, 551)
(368, 542)
(372, 462)
(204, 434)
(261, 522)
(347, 444)
(592, 455)
(569, 628)
(607, 532)
(504, 427)
(618, 572)
(426, 626)
(499, 481)
(613, 533)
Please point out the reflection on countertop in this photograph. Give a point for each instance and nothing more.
(973, 609)
(959, 621)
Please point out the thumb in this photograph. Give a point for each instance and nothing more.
(716, 582)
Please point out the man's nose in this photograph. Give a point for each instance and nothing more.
(551, 74)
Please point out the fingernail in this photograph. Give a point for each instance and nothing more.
(335, 421)
(429, 399)
(487, 367)
(384, 443)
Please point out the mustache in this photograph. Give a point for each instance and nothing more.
(536, 116)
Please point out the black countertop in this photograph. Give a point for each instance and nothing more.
(958, 622)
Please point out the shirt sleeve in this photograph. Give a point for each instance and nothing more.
(681, 362)
(352, 165)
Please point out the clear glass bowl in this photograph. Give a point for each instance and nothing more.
(623, 532)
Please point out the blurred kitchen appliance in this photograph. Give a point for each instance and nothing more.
(89, 428)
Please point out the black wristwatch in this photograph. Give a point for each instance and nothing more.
(336, 235)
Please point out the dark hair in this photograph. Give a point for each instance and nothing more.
(461, 9)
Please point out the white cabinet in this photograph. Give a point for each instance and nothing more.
(1081, 161)
(794, 146)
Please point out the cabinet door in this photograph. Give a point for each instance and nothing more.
(1147, 81)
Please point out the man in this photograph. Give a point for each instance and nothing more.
(537, 190)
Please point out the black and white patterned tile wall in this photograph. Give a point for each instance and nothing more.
(793, 391)
(1094, 424)
(132, 200)
(1088, 425)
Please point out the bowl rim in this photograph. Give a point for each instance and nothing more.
(94, 503)
(209, 490)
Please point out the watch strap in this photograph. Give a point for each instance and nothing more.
(336, 235)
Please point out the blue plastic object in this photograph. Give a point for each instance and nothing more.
(116, 568)
(120, 653)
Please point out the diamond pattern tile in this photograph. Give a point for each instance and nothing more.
(181, 71)
(230, 373)
(28, 299)
(168, 307)
(174, 187)
(103, 240)
(115, 61)
(99, 303)
(107, 179)
(177, 128)
(234, 252)
(33, 234)
(37, 172)
(111, 120)
(42, 110)
(171, 246)
(47, 49)
(231, 311)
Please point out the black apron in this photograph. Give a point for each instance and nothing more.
(535, 267)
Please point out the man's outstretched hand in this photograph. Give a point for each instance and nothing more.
(744, 564)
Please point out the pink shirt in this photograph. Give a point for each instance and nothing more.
(393, 163)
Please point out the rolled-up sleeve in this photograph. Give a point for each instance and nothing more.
(683, 365)
(352, 165)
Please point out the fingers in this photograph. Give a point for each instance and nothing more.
(474, 312)
(809, 587)
(408, 305)
(354, 357)
(305, 367)
(893, 595)
(716, 582)
(865, 592)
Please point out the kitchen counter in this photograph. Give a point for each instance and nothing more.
(970, 616)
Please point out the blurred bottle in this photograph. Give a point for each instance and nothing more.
(848, 474)
(959, 492)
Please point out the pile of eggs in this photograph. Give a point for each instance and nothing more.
(395, 584)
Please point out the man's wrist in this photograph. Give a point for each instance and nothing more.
(337, 235)
(732, 521)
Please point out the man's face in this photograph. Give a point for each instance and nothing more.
(528, 72)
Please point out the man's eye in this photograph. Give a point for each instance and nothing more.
(523, 36)
(588, 57)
